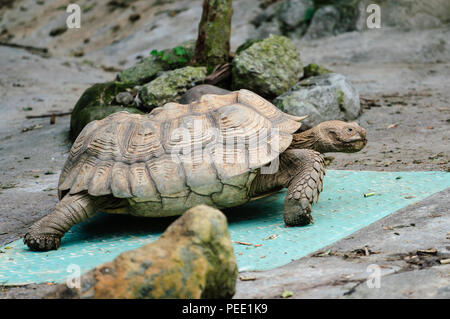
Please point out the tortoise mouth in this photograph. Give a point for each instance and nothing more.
(354, 145)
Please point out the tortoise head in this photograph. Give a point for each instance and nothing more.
(339, 136)
(332, 136)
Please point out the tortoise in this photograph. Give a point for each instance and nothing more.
(144, 165)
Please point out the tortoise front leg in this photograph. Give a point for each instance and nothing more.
(46, 233)
(308, 170)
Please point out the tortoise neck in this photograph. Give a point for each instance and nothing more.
(309, 139)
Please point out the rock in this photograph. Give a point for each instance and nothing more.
(266, 22)
(331, 20)
(268, 67)
(124, 98)
(314, 70)
(325, 97)
(292, 13)
(170, 86)
(164, 60)
(289, 18)
(96, 103)
(197, 91)
(192, 259)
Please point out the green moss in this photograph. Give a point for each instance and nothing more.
(170, 86)
(169, 59)
(96, 104)
(314, 70)
(268, 67)
(247, 44)
(340, 98)
(213, 44)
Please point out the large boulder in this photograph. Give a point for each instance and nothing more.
(192, 259)
(268, 67)
(170, 86)
(96, 103)
(148, 68)
(325, 97)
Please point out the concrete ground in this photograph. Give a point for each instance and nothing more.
(402, 77)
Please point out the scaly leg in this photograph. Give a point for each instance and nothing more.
(305, 186)
(301, 171)
(46, 233)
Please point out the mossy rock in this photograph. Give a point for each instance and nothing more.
(268, 67)
(96, 103)
(314, 70)
(169, 59)
(193, 258)
(170, 86)
(247, 44)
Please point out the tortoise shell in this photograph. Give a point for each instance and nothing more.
(179, 155)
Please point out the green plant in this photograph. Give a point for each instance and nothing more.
(178, 55)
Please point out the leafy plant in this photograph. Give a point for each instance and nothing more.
(177, 56)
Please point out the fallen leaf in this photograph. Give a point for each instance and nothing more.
(287, 294)
(430, 251)
(245, 278)
(243, 243)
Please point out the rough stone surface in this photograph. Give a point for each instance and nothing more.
(170, 86)
(268, 67)
(148, 68)
(197, 91)
(292, 13)
(314, 69)
(192, 259)
(325, 97)
(96, 103)
(124, 98)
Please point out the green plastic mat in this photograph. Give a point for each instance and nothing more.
(341, 210)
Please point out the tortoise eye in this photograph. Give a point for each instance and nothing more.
(350, 129)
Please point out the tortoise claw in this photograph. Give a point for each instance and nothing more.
(42, 242)
(296, 215)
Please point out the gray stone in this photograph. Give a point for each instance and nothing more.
(193, 258)
(124, 98)
(331, 20)
(148, 68)
(292, 13)
(325, 97)
(196, 92)
(268, 67)
(170, 86)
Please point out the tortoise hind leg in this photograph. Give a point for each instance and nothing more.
(46, 233)
(304, 188)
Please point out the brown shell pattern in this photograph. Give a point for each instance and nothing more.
(177, 148)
